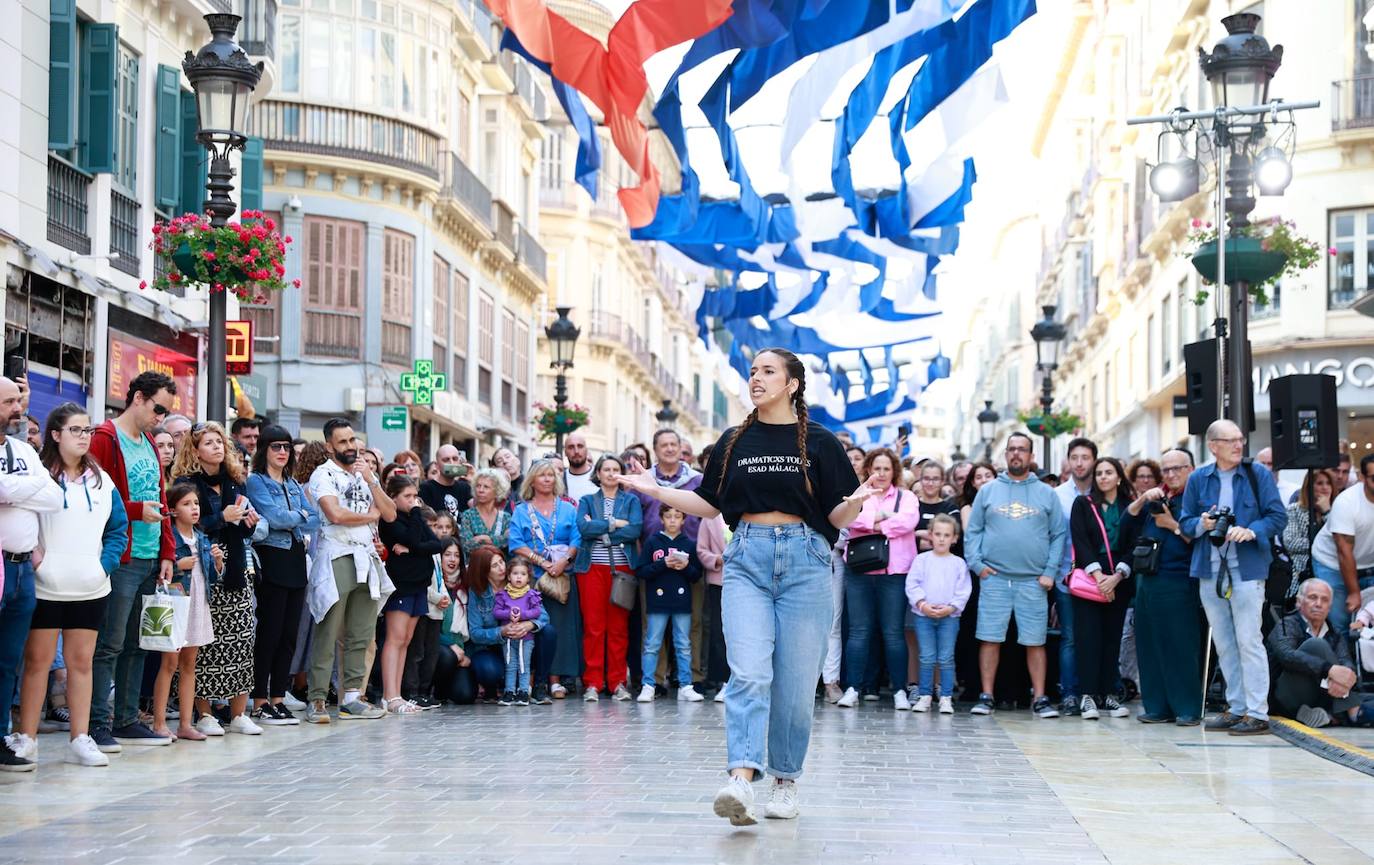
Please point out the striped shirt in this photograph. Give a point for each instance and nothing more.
(604, 552)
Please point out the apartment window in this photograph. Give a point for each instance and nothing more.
(1166, 334)
(551, 161)
(398, 294)
(441, 316)
(522, 372)
(334, 257)
(126, 130)
(486, 348)
(1181, 303)
(1352, 235)
(462, 126)
(508, 363)
(1267, 310)
(1152, 340)
(598, 406)
(459, 339)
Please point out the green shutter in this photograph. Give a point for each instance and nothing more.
(167, 153)
(250, 189)
(194, 158)
(62, 75)
(99, 97)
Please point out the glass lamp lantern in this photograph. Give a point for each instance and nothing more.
(223, 79)
(562, 335)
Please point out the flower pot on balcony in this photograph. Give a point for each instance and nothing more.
(1246, 261)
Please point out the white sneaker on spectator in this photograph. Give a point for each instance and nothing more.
(735, 802)
(84, 752)
(688, 694)
(946, 705)
(900, 702)
(24, 747)
(1114, 709)
(621, 694)
(782, 801)
(922, 704)
(1087, 708)
(848, 701)
(720, 695)
(244, 725)
(290, 702)
(209, 726)
(590, 696)
(646, 694)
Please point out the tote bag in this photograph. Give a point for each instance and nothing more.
(162, 627)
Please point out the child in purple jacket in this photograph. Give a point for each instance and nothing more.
(517, 602)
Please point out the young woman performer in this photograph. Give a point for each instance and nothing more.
(785, 486)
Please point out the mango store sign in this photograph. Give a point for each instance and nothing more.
(1352, 368)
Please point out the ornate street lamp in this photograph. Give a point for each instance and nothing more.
(1048, 334)
(223, 79)
(987, 423)
(562, 335)
(667, 415)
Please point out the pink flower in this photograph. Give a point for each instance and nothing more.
(1209, 225)
(219, 286)
(174, 276)
(295, 283)
(208, 256)
(288, 238)
(1331, 250)
(270, 224)
(143, 284)
(1197, 223)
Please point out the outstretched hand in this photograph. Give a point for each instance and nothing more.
(636, 478)
(861, 494)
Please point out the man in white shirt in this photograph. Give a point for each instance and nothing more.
(351, 501)
(26, 490)
(1343, 551)
(577, 477)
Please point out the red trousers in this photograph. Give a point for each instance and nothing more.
(605, 631)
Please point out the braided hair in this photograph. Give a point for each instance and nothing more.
(796, 370)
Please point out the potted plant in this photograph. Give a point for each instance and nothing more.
(1055, 424)
(552, 420)
(1259, 254)
(242, 257)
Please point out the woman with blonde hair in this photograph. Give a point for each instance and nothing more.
(543, 529)
(224, 668)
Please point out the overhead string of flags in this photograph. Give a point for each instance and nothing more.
(842, 265)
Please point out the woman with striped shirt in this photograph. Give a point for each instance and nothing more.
(609, 524)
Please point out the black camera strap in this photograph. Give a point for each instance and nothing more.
(1224, 581)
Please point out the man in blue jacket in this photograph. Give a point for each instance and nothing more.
(1231, 573)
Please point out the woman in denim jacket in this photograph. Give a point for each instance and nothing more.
(610, 525)
(290, 517)
(485, 576)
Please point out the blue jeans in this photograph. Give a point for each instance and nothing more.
(1339, 617)
(657, 624)
(1235, 624)
(16, 611)
(936, 639)
(118, 658)
(777, 613)
(517, 655)
(875, 601)
(1068, 664)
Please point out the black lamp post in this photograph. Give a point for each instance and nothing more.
(223, 78)
(562, 335)
(1048, 334)
(957, 455)
(987, 423)
(667, 415)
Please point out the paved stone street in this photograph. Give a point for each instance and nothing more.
(617, 782)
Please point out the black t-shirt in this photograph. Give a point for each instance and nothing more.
(765, 475)
(929, 510)
(451, 500)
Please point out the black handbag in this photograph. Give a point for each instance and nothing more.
(870, 552)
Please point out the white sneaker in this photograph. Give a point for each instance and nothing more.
(901, 703)
(84, 752)
(590, 696)
(848, 701)
(1087, 708)
(24, 747)
(689, 694)
(922, 704)
(646, 694)
(946, 706)
(735, 802)
(782, 801)
(558, 692)
(244, 725)
(290, 702)
(720, 695)
(209, 725)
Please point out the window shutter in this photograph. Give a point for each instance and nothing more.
(193, 158)
(250, 189)
(99, 98)
(62, 75)
(167, 170)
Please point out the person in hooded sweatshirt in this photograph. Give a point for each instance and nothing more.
(1014, 544)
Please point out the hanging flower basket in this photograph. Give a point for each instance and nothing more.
(552, 420)
(1259, 254)
(1055, 424)
(241, 257)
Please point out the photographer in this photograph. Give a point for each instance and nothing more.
(1168, 616)
(1237, 505)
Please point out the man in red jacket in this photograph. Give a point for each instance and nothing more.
(125, 450)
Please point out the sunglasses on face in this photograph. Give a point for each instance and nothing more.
(160, 410)
(279, 446)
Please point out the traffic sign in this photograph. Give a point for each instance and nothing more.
(394, 418)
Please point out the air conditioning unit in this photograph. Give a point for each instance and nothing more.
(355, 399)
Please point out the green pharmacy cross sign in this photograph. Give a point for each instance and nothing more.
(423, 382)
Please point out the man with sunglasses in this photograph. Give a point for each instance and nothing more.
(1343, 551)
(124, 448)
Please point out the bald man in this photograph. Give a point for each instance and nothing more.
(450, 492)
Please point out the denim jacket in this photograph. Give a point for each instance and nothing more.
(626, 507)
(1266, 517)
(207, 563)
(483, 629)
(288, 512)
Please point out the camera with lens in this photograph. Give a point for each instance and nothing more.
(1225, 519)
(1157, 507)
(1145, 556)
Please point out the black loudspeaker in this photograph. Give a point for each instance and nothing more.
(1200, 379)
(1302, 422)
